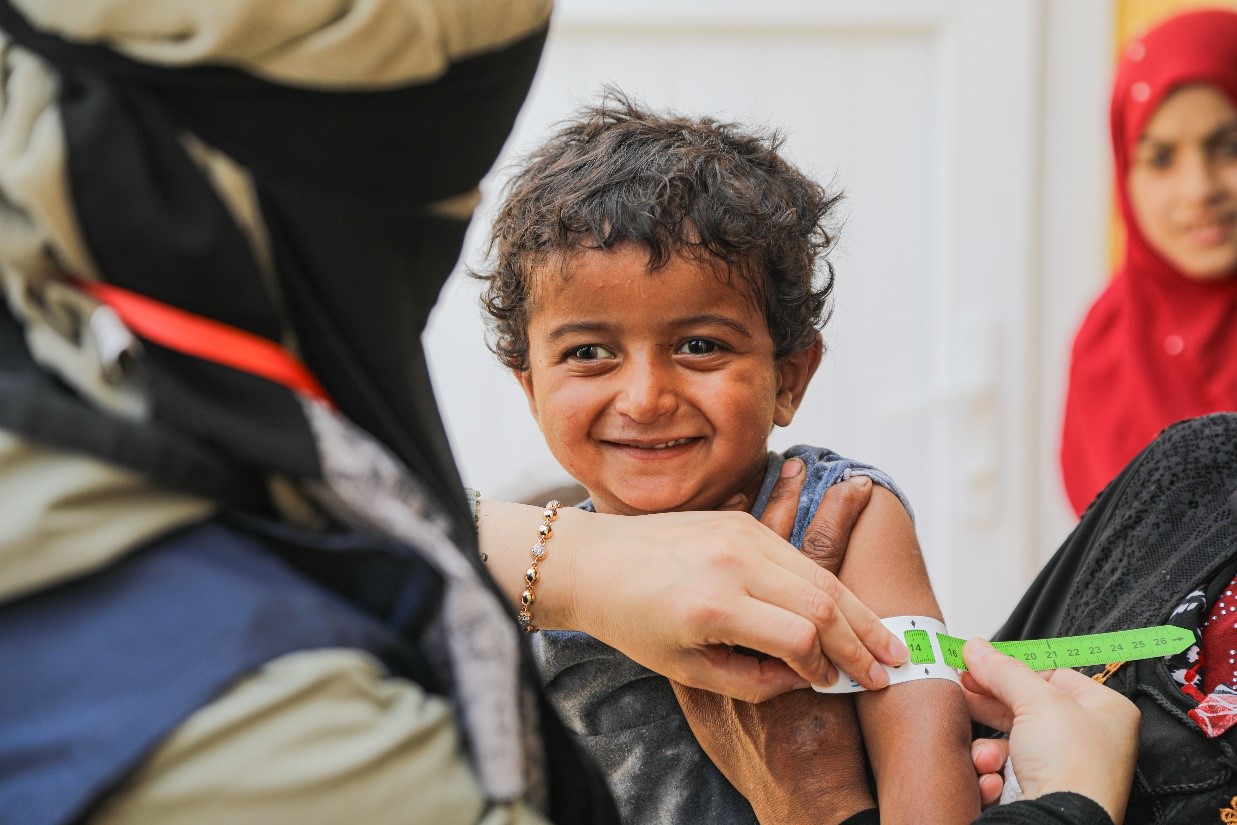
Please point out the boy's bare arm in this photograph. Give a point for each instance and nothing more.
(917, 733)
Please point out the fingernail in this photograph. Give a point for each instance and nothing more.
(878, 675)
(735, 500)
(859, 481)
(792, 468)
(898, 651)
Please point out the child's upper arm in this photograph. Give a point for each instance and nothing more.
(883, 565)
(917, 734)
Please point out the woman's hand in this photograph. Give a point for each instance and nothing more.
(1066, 732)
(678, 592)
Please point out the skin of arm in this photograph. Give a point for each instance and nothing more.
(775, 753)
(918, 729)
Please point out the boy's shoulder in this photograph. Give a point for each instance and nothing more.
(824, 469)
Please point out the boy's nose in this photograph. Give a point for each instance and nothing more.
(647, 393)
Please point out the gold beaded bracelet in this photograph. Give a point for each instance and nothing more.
(529, 597)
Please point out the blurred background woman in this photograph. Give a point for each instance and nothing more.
(1160, 343)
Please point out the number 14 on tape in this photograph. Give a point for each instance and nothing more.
(1067, 651)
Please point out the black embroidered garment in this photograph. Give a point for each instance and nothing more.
(1164, 529)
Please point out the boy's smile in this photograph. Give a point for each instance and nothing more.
(656, 391)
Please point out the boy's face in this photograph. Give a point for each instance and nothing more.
(656, 391)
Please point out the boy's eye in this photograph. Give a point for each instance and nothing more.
(697, 346)
(590, 352)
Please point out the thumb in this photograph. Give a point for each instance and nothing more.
(779, 514)
(828, 535)
(1014, 685)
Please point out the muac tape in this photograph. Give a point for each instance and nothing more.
(934, 654)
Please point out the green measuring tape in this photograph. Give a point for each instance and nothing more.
(934, 654)
(1067, 651)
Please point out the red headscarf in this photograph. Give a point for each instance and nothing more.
(1157, 346)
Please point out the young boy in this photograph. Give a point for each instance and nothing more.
(655, 293)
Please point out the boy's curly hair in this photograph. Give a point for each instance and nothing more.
(618, 173)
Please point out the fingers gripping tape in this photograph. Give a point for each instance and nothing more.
(926, 660)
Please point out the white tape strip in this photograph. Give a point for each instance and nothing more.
(909, 672)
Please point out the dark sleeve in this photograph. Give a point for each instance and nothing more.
(1050, 809)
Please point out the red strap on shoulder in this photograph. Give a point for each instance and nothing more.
(208, 340)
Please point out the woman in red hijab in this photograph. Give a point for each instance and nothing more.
(1160, 344)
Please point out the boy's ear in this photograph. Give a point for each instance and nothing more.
(525, 377)
(794, 372)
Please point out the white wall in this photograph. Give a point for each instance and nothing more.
(1076, 185)
(968, 135)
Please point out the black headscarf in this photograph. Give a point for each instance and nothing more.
(346, 180)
